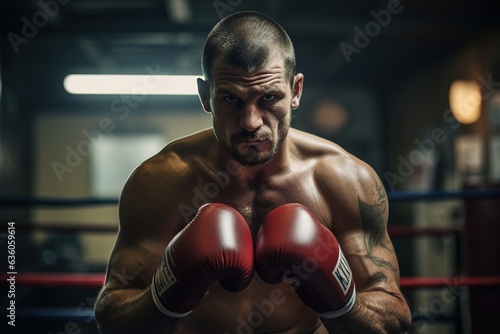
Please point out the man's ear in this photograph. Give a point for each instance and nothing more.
(204, 94)
(298, 83)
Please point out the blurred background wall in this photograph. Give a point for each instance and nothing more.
(377, 81)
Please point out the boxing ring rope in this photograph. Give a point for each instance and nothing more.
(58, 202)
(96, 280)
(396, 231)
(393, 196)
(57, 313)
(413, 195)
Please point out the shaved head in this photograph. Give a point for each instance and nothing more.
(245, 40)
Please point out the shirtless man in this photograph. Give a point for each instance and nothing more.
(271, 203)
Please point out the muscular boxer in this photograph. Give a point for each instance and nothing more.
(252, 226)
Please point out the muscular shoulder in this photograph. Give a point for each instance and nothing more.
(331, 161)
(343, 179)
(155, 189)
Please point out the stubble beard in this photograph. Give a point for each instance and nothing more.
(252, 156)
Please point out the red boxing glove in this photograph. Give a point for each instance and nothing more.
(292, 244)
(215, 245)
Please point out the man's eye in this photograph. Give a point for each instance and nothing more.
(230, 99)
(269, 98)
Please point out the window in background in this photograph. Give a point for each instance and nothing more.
(116, 157)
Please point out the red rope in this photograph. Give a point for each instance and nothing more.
(97, 280)
(436, 282)
(56, 279)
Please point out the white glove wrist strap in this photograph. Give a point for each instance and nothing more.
(162, 307)
(346, 308)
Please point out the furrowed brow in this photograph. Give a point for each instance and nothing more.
(225, 90)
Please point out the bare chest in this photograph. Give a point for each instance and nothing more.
(255, 199)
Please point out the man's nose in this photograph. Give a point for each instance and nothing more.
(251, 119)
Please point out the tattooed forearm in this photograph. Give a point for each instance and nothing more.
(373, 220)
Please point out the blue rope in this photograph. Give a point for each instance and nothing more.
(410, 195)
(442, 194)
(57, 313)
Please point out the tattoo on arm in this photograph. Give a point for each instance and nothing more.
(372, 217)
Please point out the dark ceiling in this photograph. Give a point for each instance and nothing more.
(117, 36)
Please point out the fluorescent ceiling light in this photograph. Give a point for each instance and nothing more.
(112, 84)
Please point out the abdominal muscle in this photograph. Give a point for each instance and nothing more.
(260, 308)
